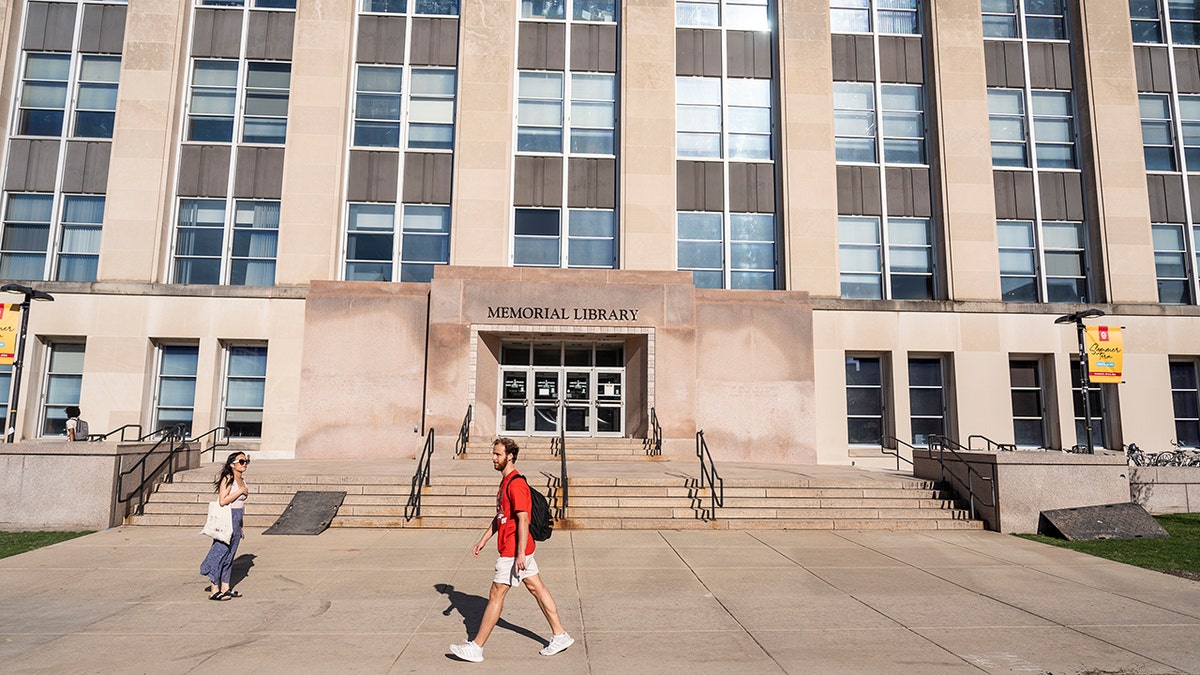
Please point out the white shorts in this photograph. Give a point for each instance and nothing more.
(506, 571)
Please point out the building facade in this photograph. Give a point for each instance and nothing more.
(801, 225)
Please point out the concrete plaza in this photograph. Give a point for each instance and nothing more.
(130, 599)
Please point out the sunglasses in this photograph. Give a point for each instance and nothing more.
(241, 461)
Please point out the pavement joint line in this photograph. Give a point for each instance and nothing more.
(583, 630)
(731, 615)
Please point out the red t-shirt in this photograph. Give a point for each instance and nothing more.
(512, 497)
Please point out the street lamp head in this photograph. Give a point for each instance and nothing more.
(1082, 314)
(1090, 313)
(16, 288)
(1065, 318)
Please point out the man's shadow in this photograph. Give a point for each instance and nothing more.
(241, 568)
(470, 608)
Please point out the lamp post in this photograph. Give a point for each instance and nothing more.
(19, 354)
(1077, 319)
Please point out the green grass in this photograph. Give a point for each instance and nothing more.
(12, 543)
(1179, 552)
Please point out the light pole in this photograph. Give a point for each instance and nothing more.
(19, 354)
(1077, 319)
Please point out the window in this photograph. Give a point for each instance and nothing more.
(431, 109)
(908, 258)
(701, 248)
(746, 15)
(175, 395)
(369, 238)
(1145, 21)
(1185, 396)
(1054, 129)
(371, 245)
(1045, 19)
(864, 400)
(903, 124)
(64, 379)
(96, 106)
(850, 16)
(1065, 252)
(439, 7)
(926, 398)
(537, 238)
(43, 100)
(701, 241)
(749, 117)
(261, 4)
(79, 253)
(591, 238)
(898, 16)
(1018, 261)
(1171, 265)
(205, 253)
(602, 11)
(1006, 117)
(698, 13)
(213, 101)
(27, 219)
(1000, 18)
(1029, 413)
(539, 112)
(698, 117)
(426, 241)
(1189, 119)
(1097, 408)
(593, 113)
(854, 121)
(266, 107)
(245, 389)
(1185, 21)
(377, 105)
(1156, 132)
(1063, 256)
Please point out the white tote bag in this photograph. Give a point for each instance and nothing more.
(219, 525)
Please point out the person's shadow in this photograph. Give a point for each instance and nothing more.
(470, 608)
(241, 568)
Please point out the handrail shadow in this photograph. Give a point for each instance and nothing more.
(708, 474)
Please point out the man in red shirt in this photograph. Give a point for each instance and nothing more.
(515, 564)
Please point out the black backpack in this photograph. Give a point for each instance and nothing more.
(541, 523)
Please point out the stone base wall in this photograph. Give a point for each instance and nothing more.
(1166, 489)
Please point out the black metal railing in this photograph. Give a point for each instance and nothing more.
(890, 445)
(420, 479)
(654, 441)
(119, 430)
(464, 434)
(220, 439)
(941, 444)
(178, 429)
(708, 474)
(562, 462)
(989, 444)
(173, 437)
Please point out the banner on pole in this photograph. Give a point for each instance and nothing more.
(10, 321)
(1104, 352)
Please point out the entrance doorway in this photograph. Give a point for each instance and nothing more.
(578, 387)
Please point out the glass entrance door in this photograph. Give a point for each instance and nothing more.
(580, 386)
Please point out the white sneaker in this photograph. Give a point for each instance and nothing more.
(557, 644)
(469, 651)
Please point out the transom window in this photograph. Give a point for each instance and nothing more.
(435, 7)
(890, 16)
(598, 11)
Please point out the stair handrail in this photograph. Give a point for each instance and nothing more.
(420, 479)
(654, 442)
(941, 444)
(464, 434)
(177, 427)
(894, 449)
(990, 445)
(709, 475)
(175, 438)
(121, 430)
(562, 460)
(217, 440)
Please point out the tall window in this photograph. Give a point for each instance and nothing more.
(62, 384)
(213, 249)
(397, 212)
(926, 398)
(727, 231)
(865, 421)
(245, 390)
(886, 246)
(1185, 396)
(51, 216)
(1043, 234)
(1028, 402)
(1170, 141)
(175, 395)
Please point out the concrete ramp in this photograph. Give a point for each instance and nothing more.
(309, 512)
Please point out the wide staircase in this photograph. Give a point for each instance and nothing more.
(613, 484)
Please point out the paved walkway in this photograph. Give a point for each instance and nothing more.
(130, 599)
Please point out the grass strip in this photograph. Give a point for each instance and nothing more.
(1178, 553)
(12, 543)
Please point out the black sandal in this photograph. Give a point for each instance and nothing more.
(232, 594)
(219, 596)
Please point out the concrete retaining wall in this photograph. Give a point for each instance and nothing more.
(55, 485)
(1166, 489)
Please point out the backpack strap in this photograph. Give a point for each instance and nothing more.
(512, 514)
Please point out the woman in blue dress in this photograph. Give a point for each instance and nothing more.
(231, 490)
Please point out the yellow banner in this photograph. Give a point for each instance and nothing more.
(10, 322)
(1104, 351)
